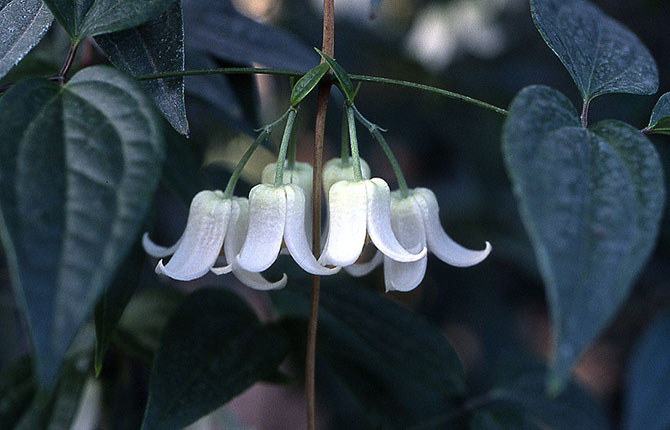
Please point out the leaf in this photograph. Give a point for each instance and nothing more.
(411, 373)
(23, 23)
(591, 201)
(215, 90)
(342, 77)
(17, 388)
(214, 348)
(144, 319)
(602, 55)
(520, 390)
(154, 47)
(113, 302)
(78, 167)
(647, 391)
(307, 82)
(216, 27)
(660, 116)
(85, 18)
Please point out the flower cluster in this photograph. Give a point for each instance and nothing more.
(227, 234)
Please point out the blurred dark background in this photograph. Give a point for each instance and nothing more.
(487, 49)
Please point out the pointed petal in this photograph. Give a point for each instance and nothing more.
(237, 231)
(362, 269)
(294, 233)
(223, 270)
(379, 222)
(158, 251)
(257, 281)
(347, 204)
(439, 243)
(403, 276)
(202, 240)
(267, 217)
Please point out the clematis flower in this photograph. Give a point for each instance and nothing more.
(212, 220)
(416, 223)
(357, 207)
(276, 216)
(334, 171)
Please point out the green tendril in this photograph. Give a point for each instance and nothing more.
(356, 158)
(283, 149)
(265, 132)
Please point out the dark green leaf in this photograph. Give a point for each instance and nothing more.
(647, 390)
(213, 349)
(85, 18)
(22, 25)
(602, 55)
(154, 47)
(307, 82)
(216, 90)
(520, 390)
(411, 373)
(78, 167)
(113, 302)
(17, 389)
(660, 116)
(591, 201)
(341, 75)
(144, 319)
(216, 27)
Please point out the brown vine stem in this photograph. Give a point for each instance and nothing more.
(328, 46)
(67, 64)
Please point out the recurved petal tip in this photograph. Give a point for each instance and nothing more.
(157, 251)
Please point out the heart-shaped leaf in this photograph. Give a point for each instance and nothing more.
(602, 55)
(660, 116)
(307, 82)
(22, 25)
(591, 201)
(78, 168)
(154, 47)
(213, 348)
(85, 18)
(411, 371)
(648, 392)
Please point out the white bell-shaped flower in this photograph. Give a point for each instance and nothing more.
(300, 175)
(276, 216)
(416, 223)
(334, 171)
(212, 220)
(357, 209)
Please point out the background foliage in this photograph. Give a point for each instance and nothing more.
(468, 348)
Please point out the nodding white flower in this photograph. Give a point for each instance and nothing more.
(277, 213)
(357, 207)
(416, 223)
(212, 220)
(300, 175)
(334, 171)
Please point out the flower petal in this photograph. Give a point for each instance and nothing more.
(362, 269)
(202, 240)
(158, 251)
(379, 222)
(347, 205)
(267, 217)
(294, 233)
(234, 234)
(335, 171)
(403, 276)
(257, 281)
(439, 243)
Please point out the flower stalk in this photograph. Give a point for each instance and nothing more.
(283, 149)
(353, 139)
